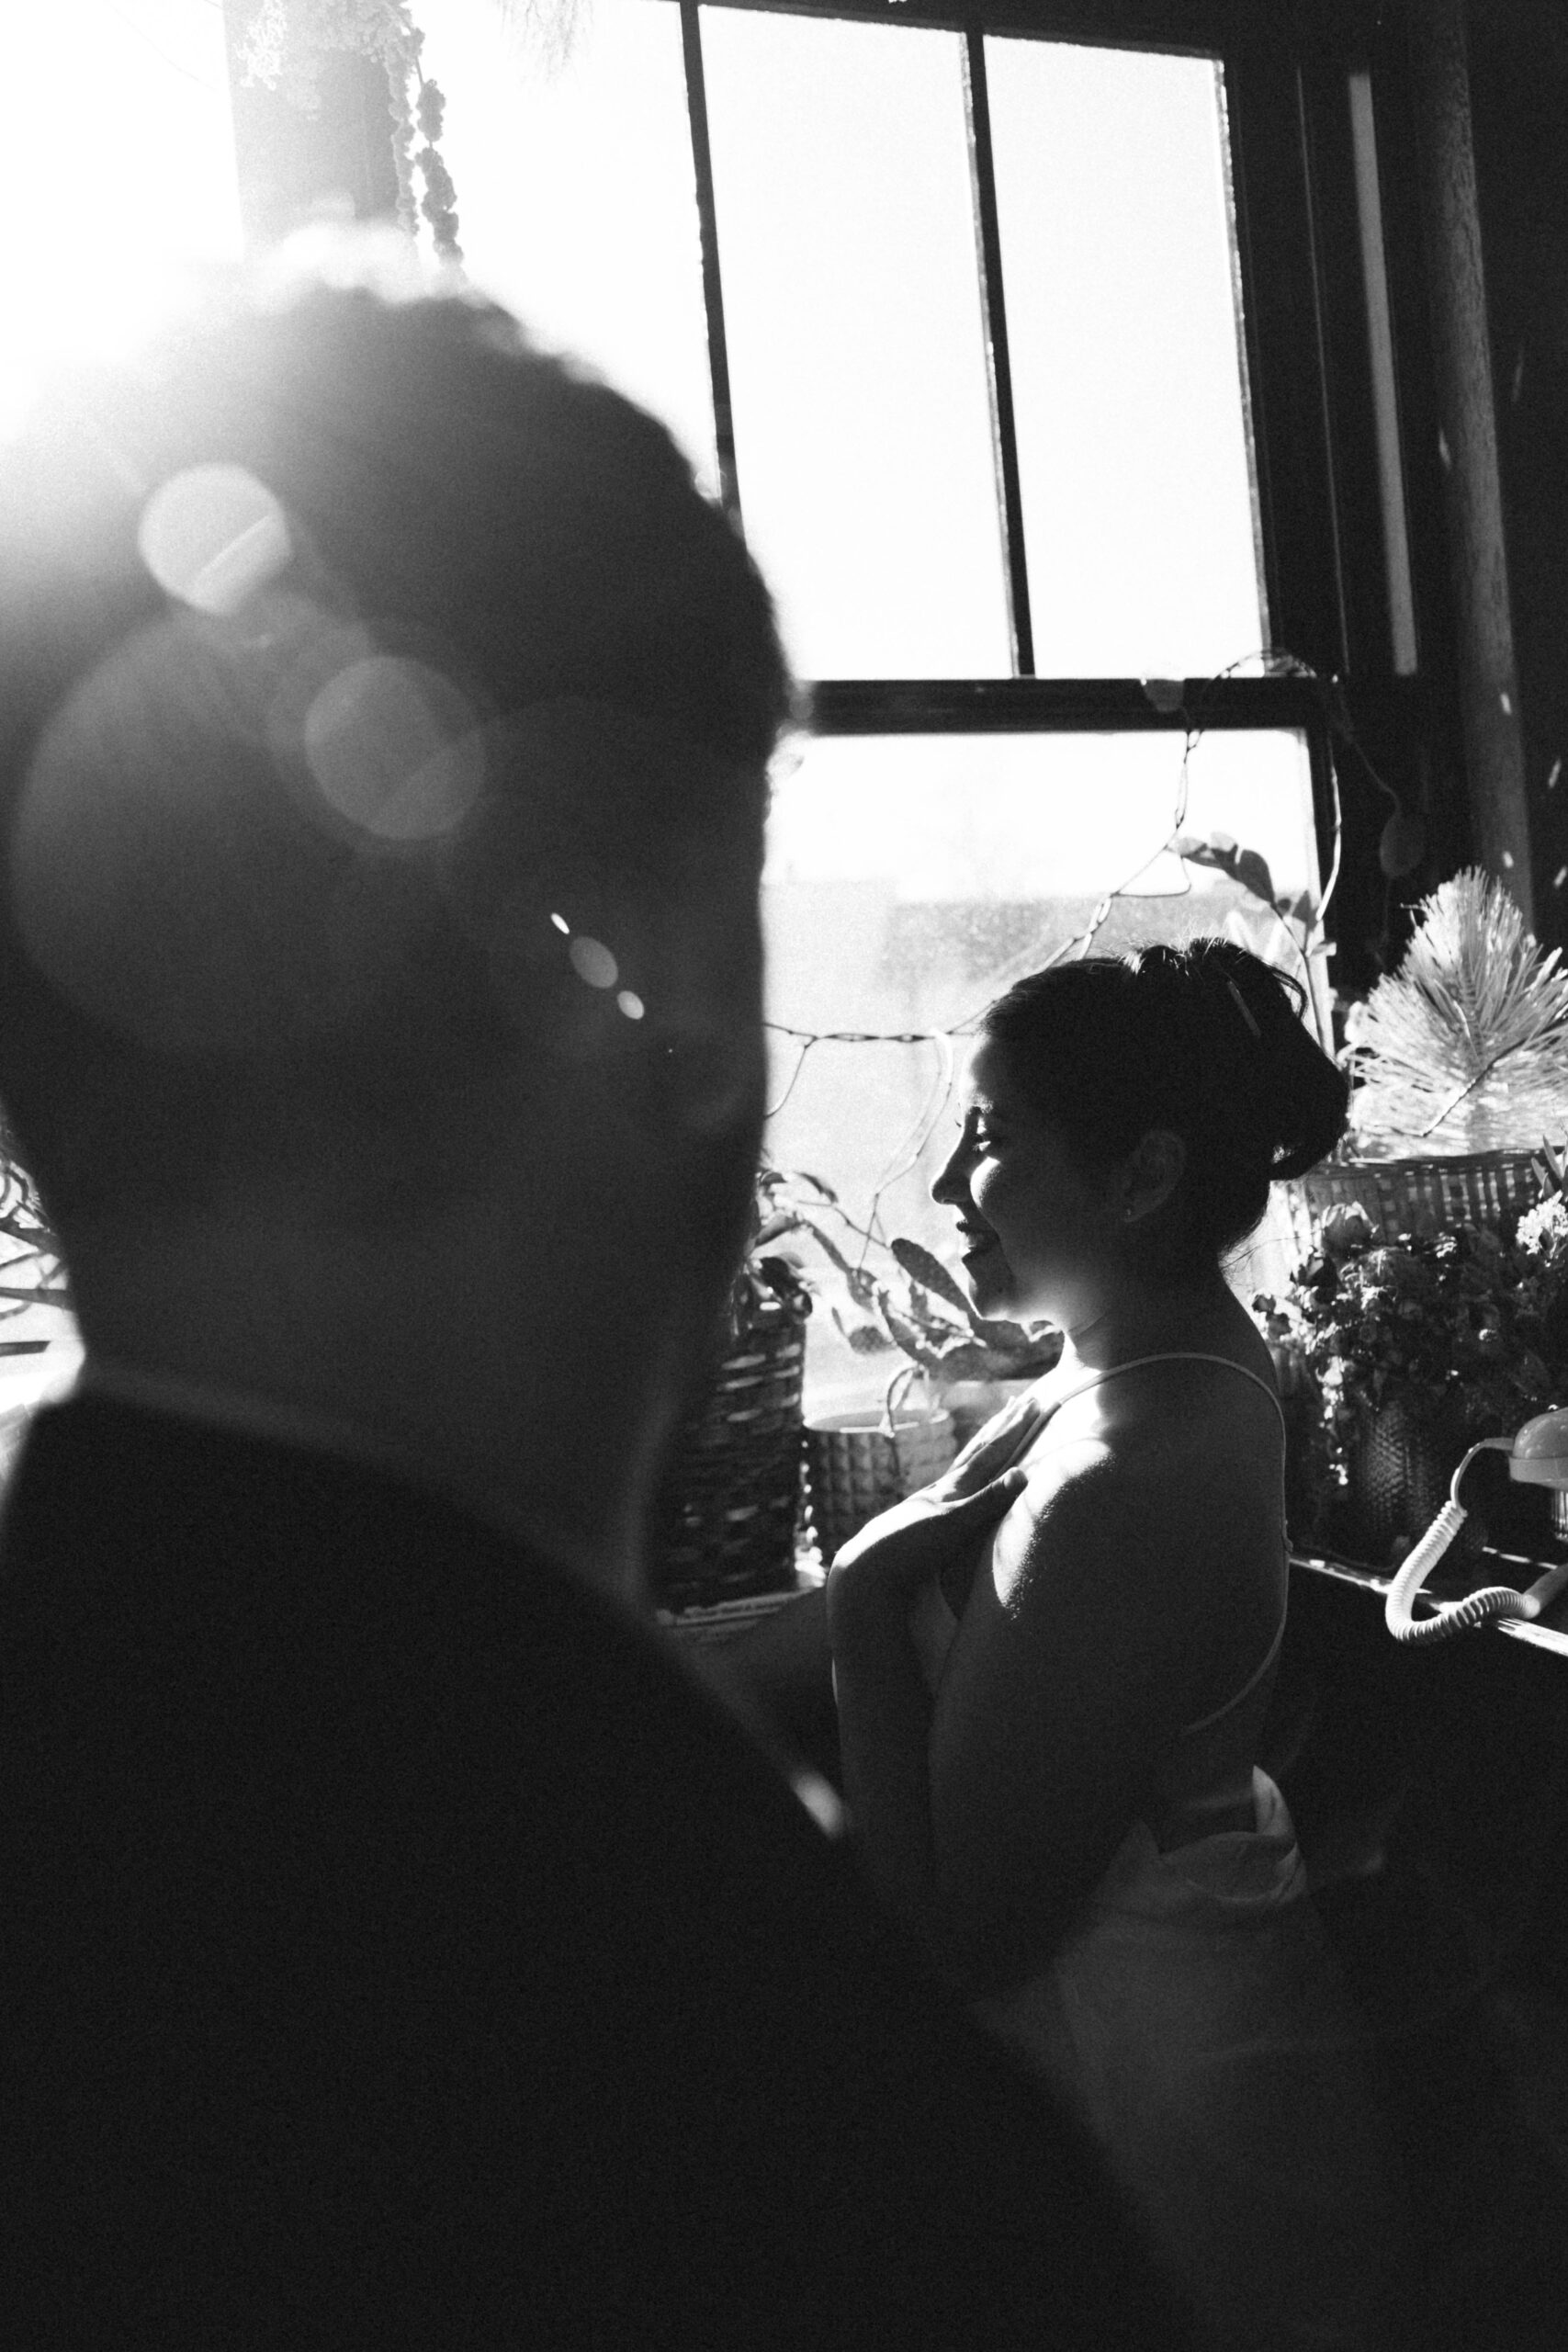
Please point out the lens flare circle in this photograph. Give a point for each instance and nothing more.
(392, 747)
(592, 962)
(212, 536)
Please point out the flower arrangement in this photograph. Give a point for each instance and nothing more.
(1463, 1334)
(1425, 1319)
(1542, 1232)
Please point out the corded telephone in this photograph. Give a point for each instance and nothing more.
(1537, 1457)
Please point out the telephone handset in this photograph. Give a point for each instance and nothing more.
(1537, 1457)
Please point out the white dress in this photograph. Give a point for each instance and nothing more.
(1195, 2019)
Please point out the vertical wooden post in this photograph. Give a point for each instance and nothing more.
(1489, 689)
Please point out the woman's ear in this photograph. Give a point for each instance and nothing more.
(1151, 1173)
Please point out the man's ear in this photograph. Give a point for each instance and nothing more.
(1151, 1173)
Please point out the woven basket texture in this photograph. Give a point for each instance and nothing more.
(724, 1525)
(1415, 1195)
(856, 1467)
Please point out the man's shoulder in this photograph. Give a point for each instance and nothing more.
(331, 1644)
(486, 1863)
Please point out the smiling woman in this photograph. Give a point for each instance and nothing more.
(126, 152)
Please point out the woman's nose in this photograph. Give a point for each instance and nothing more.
(950, 1183)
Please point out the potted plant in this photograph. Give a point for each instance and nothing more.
(724, 1522)
(1464, 1048)
(1404, 1354)
(896, 1297)
(1459, 1062)
(929, 1320)
(32, 1275)
(32, 1272)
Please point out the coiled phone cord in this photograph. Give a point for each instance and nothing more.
(1478, 1608)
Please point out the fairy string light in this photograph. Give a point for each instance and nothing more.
(907, 1156)
(1030, 959)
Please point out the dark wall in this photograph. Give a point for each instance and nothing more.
(1472, 102)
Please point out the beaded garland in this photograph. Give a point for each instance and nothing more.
(283, 48)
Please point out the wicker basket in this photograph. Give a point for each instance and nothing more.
(1415, 1195)
(861, 1462)
(725, 1522)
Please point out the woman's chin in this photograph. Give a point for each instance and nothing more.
(991, 1289)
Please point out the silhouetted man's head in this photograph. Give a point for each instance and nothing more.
(381, 708)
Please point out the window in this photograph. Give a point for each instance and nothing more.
(966, 357)
(956, 320)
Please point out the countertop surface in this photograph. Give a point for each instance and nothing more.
(1451, 1581)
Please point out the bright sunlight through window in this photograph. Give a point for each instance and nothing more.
(124, 147)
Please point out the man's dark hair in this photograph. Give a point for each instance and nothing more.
(513, 534)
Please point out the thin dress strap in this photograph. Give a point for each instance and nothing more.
(1184, 1355)
(1135, 1363)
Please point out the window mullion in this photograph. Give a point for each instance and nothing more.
(998, 369)
(713, 286)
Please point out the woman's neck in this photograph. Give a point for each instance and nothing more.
(1143, 1320)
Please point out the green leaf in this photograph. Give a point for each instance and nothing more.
(1251, 871)
(913, 1342)
(967, 1360)
(921, 1267)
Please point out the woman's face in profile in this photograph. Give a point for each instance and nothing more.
(1039, 1232)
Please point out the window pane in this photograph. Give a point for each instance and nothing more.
(909, 879)
(576, 201)
(857, 361)
(1117, 267)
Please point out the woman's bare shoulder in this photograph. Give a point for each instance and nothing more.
(1179, 1478)
(1169, 1405)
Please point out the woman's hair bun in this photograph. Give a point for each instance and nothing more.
(1297, 1097)
(1206, 1040)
